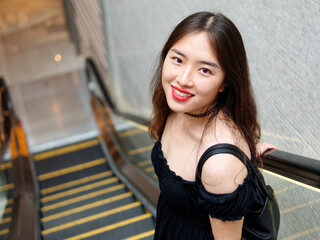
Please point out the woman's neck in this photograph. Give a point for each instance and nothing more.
(190, 126)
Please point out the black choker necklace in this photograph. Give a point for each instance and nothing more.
(201, 115)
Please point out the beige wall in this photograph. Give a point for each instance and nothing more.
(88, 20)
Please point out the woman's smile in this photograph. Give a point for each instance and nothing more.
(180, 94)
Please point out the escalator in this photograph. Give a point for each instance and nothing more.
(73, 190)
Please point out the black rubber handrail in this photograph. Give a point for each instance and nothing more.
(5, 111)
(25, 223)
(296, 167)
(302, 169)
(135, 180)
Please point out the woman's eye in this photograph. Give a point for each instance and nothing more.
(205, 70)
(177, 60)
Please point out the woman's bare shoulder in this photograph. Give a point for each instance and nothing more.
(222, 173)
(225, 131)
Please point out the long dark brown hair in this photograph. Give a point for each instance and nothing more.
(236, 101)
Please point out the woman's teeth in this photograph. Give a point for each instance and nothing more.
(181, 94)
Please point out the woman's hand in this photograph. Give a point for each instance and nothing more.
(265, 148)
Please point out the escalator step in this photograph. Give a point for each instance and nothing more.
(84, 211)
(80, 201)
(74, 168)
(4, 233)
(7, 187)
(135, 141)
(67, 160)
(95, 221)
(73, 176)
(5, 222)
(67, 185)
(6, 219)
(84, 192)
(66, 149)
(122, 229)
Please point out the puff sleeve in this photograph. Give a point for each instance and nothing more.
(231, 206)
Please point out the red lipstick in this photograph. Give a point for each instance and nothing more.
(180, 94)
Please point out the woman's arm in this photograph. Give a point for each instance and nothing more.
(228, 230)
(222, 174)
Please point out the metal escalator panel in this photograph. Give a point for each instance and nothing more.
(137, 145)
(81, 197)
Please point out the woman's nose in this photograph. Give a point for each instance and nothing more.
(185, 77)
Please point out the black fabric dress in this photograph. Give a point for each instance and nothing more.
(183, 207)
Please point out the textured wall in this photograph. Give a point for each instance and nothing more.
(282, 40)
(88, 21)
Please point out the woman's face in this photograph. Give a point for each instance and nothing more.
(191, 75)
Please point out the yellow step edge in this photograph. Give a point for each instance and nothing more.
(64, 150)
(82, 198)
(149, 169)
(5, 165)
(75, 182)
(301, 234)
(78, 190)
(282, 190)
(110, 227)
(71, 169)
(144, 163)
(7, 210)
(7, 187)
(86, 207)
(4, 231)
(130, 132)
(141, 235)
(90, 218)
(140, 126)
(302, 205)
(5, 220)
(140, 150)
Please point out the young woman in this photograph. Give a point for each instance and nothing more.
(202, 97)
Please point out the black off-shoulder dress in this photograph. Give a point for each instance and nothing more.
(184, 207)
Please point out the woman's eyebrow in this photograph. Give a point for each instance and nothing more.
(178, 52)
(212, 64)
